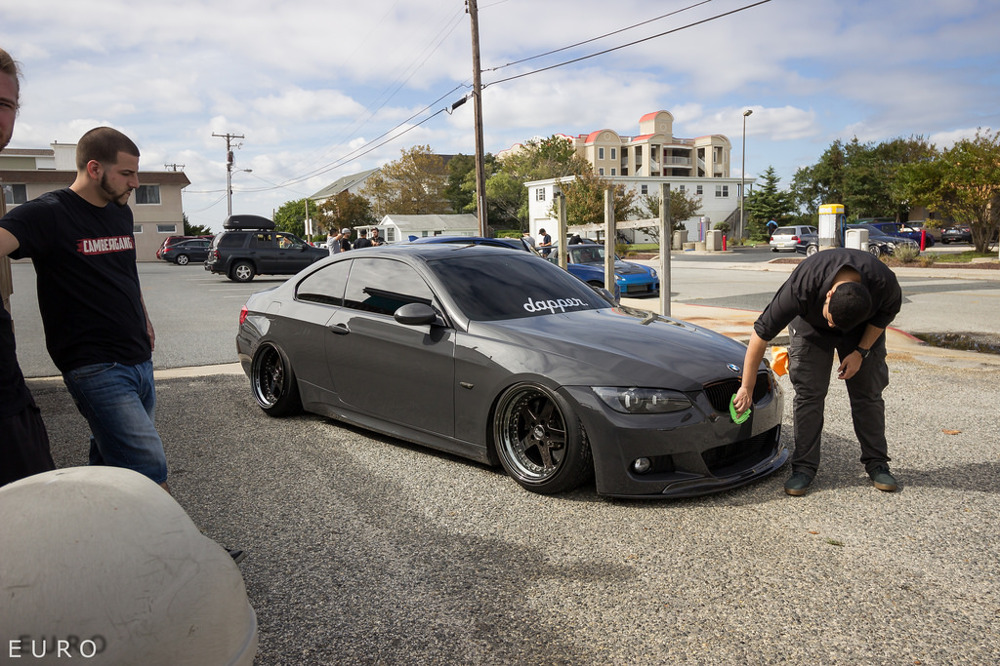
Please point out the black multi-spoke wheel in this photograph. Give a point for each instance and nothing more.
(874, 250)
(539, 440)
(273, 382)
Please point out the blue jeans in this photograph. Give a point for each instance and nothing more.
(119, 403)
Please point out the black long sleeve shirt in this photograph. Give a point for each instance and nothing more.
(804, 293)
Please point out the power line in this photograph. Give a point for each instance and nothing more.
(618, 48)
(594, 39)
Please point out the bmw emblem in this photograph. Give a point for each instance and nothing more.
(735, 368)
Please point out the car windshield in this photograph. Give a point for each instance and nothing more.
(510, 285)
(586, 254)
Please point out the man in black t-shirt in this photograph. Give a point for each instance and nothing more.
(24, 443)
(80, 240)
(362, 240)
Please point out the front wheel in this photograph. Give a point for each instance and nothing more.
(875, 250)
(539, 440)
(273, 382)
(242, 272)
(182, 259)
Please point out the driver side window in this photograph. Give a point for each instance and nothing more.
(382, 286)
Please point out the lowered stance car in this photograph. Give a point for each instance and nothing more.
(503, 358)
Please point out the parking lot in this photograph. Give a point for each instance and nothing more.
(364, 549)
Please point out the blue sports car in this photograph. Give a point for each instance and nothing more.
(586, 261)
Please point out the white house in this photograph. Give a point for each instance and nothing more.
(720, 200)
(402, 228)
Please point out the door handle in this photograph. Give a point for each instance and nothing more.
(339, 329)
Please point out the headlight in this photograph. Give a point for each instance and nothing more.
(642, 400)
(652, 272)
(891, 245)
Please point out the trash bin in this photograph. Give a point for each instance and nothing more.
(102, 563)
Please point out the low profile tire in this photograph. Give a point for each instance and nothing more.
(874, 250)
(811, 250)
(539, 441)
(273, 382)
(182, 259)
(242, 272)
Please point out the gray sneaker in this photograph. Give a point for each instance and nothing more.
(882, 479)
(797, 483)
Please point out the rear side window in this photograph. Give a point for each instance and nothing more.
(230, 240)
(325, 285)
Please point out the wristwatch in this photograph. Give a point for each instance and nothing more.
(864, 352)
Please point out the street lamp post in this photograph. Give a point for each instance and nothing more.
(743, 171)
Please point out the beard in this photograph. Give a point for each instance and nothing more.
(118, 197)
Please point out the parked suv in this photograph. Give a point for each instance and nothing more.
(250, 246)
(786, 238)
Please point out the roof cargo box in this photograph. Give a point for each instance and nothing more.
(247, 222)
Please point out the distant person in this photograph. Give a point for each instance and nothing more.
(574, 240)
(839, 300)
(362, 240)
(529, 239)
(376, 240)
(345, 239)
(771, 227)
(24, 442)
(544, 243)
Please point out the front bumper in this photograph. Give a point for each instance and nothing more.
(694, 452)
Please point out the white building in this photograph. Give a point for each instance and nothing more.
(719, 200)
(402, 228)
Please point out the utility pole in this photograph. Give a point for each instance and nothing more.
(477, 95)
(229, 168)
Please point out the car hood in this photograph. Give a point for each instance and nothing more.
(616, 346)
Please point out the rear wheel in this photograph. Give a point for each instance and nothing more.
(273, 382)
(539, 440)
(182, 259)
(811, 250)
(242, 271)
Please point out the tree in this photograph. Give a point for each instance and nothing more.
(554, 157)
(459, 195)
(194, 229)
(585, 199)
(821, 183)
(682, 207)
(345, 210)
(767, 203)
(415, 184)
(963, 184)
(291, 217)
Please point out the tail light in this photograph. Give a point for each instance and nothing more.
(795, 238)
(243, 314)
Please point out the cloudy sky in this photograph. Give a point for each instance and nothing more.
(322, 89)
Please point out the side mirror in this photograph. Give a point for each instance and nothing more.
(415, 314)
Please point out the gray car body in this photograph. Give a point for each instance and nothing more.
(437, 385)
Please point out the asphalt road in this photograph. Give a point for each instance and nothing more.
(364, 549)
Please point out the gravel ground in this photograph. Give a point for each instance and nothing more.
(366, 550)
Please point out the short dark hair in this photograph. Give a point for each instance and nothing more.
(103, 144)
(850, 304)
